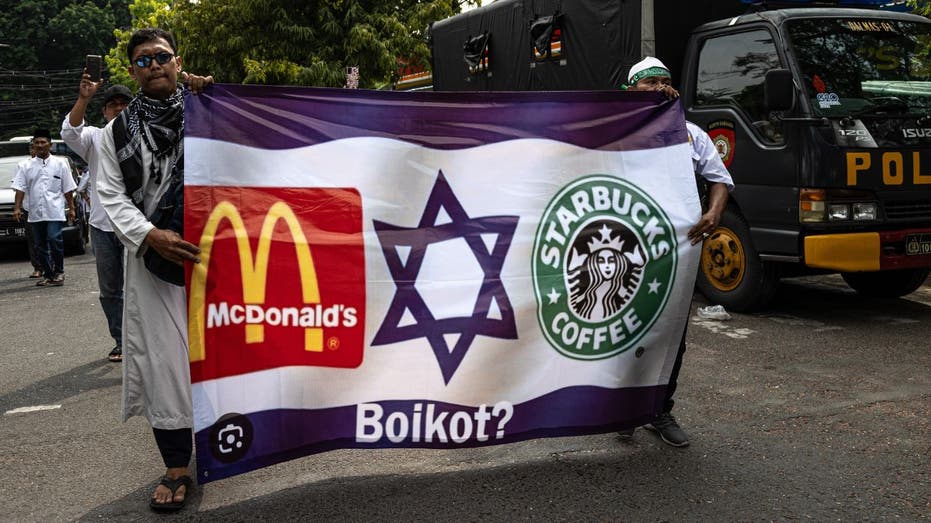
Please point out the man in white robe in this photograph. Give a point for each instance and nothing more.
(140, 161)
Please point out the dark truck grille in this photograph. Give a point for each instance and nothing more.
(908, 210)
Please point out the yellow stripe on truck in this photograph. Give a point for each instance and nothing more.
(843, 252)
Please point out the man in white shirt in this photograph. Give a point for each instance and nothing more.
(651, 74)
(45, 184)
(108, 251)
(30, 241)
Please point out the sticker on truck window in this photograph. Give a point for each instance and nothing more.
(826, 100)
(722, 134)
(871, 26)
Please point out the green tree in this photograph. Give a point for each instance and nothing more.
(922, 7)
(144, 13)
(45, 42)
(82, 29)
(299, 42)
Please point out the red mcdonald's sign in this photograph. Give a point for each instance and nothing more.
(281, 280)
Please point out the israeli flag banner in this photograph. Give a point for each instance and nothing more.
(443, 270)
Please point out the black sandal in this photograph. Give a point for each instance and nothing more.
(116, 355)
(173, 485)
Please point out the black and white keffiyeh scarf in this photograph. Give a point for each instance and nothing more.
(159, 126)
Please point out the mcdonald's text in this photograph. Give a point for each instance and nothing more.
(223, 314)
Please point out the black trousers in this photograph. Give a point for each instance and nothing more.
(674, 377)
(176, 446)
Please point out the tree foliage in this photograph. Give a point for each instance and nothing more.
(922, 7)
(45, 42)
(299, 42)
(145, 13)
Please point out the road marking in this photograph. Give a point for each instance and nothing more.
(35, 408)
(719, 327)
(921, 296)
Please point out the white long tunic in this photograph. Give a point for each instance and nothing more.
(84, 140)
(156, 373)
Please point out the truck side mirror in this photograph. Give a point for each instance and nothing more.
(779, 90)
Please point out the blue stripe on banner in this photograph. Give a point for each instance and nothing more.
(243, 443)
(291, 117)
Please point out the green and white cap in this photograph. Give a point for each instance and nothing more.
(649, 66)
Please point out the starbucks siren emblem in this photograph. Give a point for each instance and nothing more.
(602, 280)
(604, 262)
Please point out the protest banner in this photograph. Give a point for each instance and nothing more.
(384, 269)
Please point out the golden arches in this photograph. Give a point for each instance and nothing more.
(254, 272)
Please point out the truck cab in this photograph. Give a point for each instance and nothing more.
(823, 117)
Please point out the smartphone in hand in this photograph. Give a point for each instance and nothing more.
(94, 64)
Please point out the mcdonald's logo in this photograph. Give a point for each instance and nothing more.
(281, 280)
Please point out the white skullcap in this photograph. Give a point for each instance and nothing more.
(649, 66)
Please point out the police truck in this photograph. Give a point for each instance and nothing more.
(821, 112)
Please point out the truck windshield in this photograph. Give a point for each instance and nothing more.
(864, 66)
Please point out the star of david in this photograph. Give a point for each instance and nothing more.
(404, 273)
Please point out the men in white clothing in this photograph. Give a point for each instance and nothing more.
(141, 168)
(45, 184)
(30, 241)
(108, 251)
(651, 74)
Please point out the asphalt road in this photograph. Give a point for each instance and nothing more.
(817, 409)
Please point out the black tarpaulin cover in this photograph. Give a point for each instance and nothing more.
(601, 40)
(593, 56)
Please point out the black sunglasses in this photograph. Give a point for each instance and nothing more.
(146, 60)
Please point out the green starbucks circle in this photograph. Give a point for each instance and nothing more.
(604, 259)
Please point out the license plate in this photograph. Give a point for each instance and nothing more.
(13, 231)
(916, 244)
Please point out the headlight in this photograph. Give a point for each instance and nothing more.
(836, 205)
(864, 211)
(839, 211)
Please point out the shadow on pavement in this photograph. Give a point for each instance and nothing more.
(628, 483)
(13, 253)
(829, 303)
(135, 507)
(54, 389)
(824, 298)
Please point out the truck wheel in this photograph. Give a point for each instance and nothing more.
(886, 284)
(731, 273)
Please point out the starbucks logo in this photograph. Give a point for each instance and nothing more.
(603, 264)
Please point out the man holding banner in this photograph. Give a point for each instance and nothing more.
(650, 74)
(141, 170)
